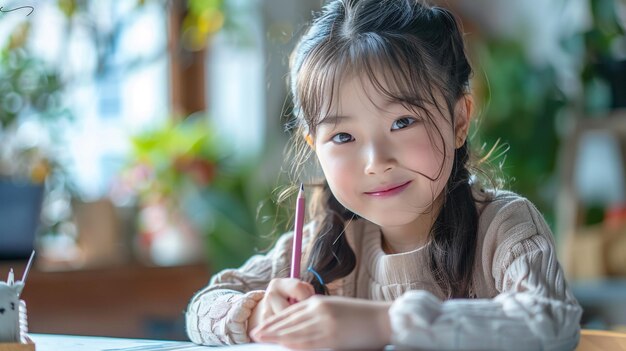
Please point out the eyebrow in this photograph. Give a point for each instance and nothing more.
(333, 119)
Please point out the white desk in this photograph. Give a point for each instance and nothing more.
(591, 340)
(49, 342)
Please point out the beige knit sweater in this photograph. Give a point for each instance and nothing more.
(520, 298)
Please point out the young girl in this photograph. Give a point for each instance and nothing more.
(406, 247)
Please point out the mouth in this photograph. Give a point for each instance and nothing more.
(389, 191)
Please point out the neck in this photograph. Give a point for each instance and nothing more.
(411, 236)
(395, 247)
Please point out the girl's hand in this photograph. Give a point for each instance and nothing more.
(278, 296)
(329, 322)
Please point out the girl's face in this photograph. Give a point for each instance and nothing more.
(383, 161)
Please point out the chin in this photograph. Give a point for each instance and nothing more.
(390, 219)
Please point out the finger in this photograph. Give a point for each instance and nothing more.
(311, 341)
(293, 328)
(295, 288)
(308, 344)
(277, 303)
(311, 290)
(297, 334)
(278, 317)
(285, 320)
(285, 292)
(262, 327)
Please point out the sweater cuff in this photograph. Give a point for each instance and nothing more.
(412, 316)
(237, 317)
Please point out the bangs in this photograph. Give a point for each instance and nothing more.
(396, 67)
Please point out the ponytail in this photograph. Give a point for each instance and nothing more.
(331, 256)
(453, 236)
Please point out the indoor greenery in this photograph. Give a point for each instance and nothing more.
(33, 169)
(30, 109)
(604, 58)
(518, 113)
(524, 108)
(185, 165)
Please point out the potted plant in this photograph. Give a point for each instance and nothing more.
(194, 202)
(30, 105)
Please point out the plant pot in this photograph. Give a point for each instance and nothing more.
(615, 74)
(166, 237)
(20, 209)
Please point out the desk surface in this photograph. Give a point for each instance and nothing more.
(590, 341)
(50, 342)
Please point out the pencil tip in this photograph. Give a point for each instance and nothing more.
(301, 186)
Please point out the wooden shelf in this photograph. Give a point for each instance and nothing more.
(131, 301)
(17, 347)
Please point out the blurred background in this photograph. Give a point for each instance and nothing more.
(141, 140)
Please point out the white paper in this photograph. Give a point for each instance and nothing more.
(49, 342)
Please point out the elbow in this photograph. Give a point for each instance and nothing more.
(558, 328)
(192, 324)
(197, 334)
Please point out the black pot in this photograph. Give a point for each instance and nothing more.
(615, 73)
(20, 209)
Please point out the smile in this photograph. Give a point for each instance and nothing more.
(396, 189)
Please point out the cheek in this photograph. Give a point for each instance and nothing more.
(426, 155)
(339, 169)
(334, 164)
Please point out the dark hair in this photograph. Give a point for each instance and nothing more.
(417, 51)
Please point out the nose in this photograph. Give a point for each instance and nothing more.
(379, 158)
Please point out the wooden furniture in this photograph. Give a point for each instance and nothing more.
(127, 301)
(593, 243)
(17, 346)
(594, 256)
(599, 340)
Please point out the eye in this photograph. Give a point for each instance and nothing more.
(342, 138)
(402, 123)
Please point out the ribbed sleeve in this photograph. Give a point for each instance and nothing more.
(220, 317)
(534, 309)
(218, 314)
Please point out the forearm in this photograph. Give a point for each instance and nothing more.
(220, 317)
(384, 321)
(510, 321)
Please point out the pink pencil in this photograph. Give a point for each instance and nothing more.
(297, 237)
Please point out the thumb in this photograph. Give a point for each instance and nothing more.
(288, 291)
(298, 290)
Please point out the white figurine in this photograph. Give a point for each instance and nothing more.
(12, 309)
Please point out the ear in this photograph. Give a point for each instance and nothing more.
(309, 140)
(464, 108)
(18, 287)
